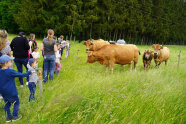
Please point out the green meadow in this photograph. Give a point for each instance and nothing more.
(85, 93)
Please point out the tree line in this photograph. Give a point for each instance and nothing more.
(136, 21)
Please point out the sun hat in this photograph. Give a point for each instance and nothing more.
(5, 58)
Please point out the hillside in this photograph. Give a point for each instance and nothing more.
(85, 93)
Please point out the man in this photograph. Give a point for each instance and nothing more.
(20, 47)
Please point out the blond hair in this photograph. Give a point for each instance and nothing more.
(3, 36)
(61, 36)
(50, 35)
(32, 36)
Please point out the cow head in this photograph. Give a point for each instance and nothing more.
(89, 45)
(157, 48)
(91, 57)
(148, 53)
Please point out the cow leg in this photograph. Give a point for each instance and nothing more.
(131, 66)
(144, 65)
(106, 66)
(111, 67)
(159, 63)
(166, 62)
(135, 65)
(156, 62)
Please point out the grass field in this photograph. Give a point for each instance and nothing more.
(85, 93)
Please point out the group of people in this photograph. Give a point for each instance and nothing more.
(25, 53)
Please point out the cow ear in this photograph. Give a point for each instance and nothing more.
(84, 43)
(153, 46)
(161, 46)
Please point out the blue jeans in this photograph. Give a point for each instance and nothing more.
(8, 102)
(49, 66)
(32, 88)
(19, 63)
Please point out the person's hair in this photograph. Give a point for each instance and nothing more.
(31, 37)
(35, 48)
(2, 64)
(54, 37)
(57, 44)
(22, 34)
(61, 36)
(3, 36)
(50, 35)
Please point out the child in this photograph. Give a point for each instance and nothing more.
(62, 42)
(32, 63)
(36, 55)
(55, 38)
(8, 87)
(57, 62)
(67, 45)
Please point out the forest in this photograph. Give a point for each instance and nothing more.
(136, 21)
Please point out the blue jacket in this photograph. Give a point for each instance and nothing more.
(7, 83)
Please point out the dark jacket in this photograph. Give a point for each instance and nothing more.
(20, 47)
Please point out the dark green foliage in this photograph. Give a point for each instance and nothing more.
(7, 9)
(137, 21)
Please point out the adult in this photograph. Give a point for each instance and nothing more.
(32, 43)
(49, 48)
(4, 47)
(20, 47)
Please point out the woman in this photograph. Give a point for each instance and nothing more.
(4, 47)
(49, 48)
(32, 43)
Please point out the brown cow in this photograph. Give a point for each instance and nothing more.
(147, 57)
(161, 54)
(95, 44)
(109, 55)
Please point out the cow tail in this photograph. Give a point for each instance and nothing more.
(139, 53)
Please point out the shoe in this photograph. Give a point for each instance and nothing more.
(8, 120)
(21, 86)
(26, 83)
(17, 118)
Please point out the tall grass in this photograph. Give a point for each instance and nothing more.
(85, 93)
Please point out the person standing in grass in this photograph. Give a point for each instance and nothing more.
(49, 48)
(20, 47)
(57, 62)
(67, 50)
(36, 55)
(32, 43)
(33, 78)
(62, 42)
(4, 47)
(8, 88)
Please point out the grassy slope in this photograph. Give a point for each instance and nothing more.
(84, 93)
